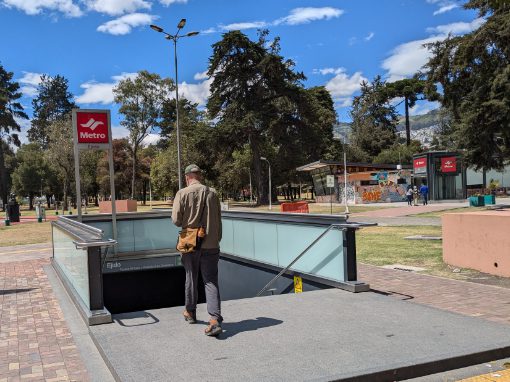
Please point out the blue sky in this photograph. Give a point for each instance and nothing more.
(337, 43)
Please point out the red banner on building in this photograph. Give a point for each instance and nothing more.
(420, 165)
(92, 127)
(449, 164)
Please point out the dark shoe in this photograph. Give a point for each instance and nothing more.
(190, 317)
(213, 329)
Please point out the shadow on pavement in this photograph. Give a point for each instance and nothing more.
(230, 329)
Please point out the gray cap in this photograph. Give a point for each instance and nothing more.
(192, 168)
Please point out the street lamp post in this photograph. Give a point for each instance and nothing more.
(175, 38)
(269, 165)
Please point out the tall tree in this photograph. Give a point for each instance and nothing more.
(122, 167)
(60, 153)
(11, 111)
(258, 99)
(412, 90)
(141, 102)
(28, 176)
(474, 73)
(52, 103)
(374, 119)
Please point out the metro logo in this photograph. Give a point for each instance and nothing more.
(92, 126)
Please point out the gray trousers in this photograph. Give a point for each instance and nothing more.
(205, 261)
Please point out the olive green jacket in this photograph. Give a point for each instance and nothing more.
(187, 210)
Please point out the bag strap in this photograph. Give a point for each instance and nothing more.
(204, 205)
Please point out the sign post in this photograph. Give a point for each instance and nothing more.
(92, 131)
(330, 182)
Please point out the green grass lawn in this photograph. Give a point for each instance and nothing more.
(26, 233)
(387, 245)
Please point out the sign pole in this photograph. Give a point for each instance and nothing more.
(112, 182)
(92, 131)
(77, 177)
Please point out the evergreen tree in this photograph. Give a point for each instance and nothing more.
(412, 90)
(374, 119)
(474, 73)
(53, 103)
(10, 112)
(259, 100)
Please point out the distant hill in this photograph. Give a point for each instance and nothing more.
(419, 122)
(422, 127)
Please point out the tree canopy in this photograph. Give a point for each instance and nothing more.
(53, 102)
(474, 73)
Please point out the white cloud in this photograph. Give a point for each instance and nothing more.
(370, 36)
(342, 86)
(124, 24)
(25, 124)
(196, 93)
(424, 107)
(445, 8)
(457, 28)
(119, 132)
(169, 2)
(116, 7)
(407, 58)
(101, 92)
(209, 31)
(201, 76)
(296, 16)
(308, 14)
(35, 7)
(29, 83)
(245, 25)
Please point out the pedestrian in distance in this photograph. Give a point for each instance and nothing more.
(196, 209)
(409, 195)
(424, 191)
(416, 195)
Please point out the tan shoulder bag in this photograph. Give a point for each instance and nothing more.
(190, 239)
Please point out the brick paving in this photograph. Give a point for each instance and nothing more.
(35, 341)
(471, 299)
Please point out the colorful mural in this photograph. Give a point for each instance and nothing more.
(388, 188)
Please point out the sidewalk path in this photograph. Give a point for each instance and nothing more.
(406, 210)
(25, 252)
(472, 299)
(35, 341)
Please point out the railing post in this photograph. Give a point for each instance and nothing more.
(350, 269)
(95, 278)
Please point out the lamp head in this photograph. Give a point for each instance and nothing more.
(192, 34)
(181, 24)
(263, 158)
(156, 28)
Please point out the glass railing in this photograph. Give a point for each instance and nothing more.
(274, 239)
(72, 262)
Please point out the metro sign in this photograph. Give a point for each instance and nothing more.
(420, 165)
(449, 164)
(92, 126)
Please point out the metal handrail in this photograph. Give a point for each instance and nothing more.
(284, 270)
(81, 225)
(87, 244)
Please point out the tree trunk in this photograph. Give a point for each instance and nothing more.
(3, 176)
(134, 173)
(144, 192)
(64, 202)
(96, 200)
(30, 201)
(408, 127)
(262, 197)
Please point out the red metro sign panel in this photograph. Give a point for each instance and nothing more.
(420, 165)
(449, 164)
(92, 126)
